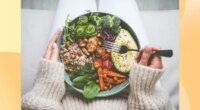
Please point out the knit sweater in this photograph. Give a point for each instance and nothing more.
(49, 92)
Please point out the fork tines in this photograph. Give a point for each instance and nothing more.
(111, 46)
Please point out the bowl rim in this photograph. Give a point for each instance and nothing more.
(107, 92)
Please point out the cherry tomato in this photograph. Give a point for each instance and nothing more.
(106, 56)
(107, 64)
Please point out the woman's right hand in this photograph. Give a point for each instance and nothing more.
(145, 57)
(52, 49)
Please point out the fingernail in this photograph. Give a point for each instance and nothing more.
(54, 45)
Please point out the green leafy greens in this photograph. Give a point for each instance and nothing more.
(81, 81)
(91, 89)
(82, 20)
(87, 26)
(86, 69)
(84, 79)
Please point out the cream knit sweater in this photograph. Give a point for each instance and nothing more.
(49, 92)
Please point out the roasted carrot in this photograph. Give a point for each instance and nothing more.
(115, 78)
(111, 73)
(105, 71)
(109, 80)
(97, 63)
(119, 81)
(101, 83)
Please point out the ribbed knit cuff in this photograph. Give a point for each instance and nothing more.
(143, 93)
(49, 81)
(143, 78)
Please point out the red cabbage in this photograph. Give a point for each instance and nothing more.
(106, 35)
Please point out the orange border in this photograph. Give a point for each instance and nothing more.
(10, 54)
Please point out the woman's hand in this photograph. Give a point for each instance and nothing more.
(147, 59)
(52, 49)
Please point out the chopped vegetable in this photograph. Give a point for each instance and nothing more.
(106, 35)
(111, 73)
(97, 63)
(107, 64)
(101, 82)
(90, 29)
(109, 80)
(80, 30)
(105, 71)
(83, 20)
(100, 51)
(106, 56)
(119, 81)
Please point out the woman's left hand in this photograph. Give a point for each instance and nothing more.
(52, 49)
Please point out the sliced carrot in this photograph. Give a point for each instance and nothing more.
(111, 73)
(105, 71)
(101, 83)
(109, 80)
(97, 63)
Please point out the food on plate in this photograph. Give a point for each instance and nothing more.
(88, 64)
(123, 62)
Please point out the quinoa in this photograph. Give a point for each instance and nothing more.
(71, 59)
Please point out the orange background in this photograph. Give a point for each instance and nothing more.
(10, 47)
(190, 53)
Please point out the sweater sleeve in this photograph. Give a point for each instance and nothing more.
(145, 91)
(48, 89)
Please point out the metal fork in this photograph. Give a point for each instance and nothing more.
(124, 49)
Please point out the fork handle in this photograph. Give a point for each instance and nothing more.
(164, 53)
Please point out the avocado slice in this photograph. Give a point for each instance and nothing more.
(124, 62)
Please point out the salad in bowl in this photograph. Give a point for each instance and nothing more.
(89, 68)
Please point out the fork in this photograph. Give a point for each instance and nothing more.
(124, 49)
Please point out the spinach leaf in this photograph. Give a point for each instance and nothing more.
(80, 81)
(88, 68)
(91, 90)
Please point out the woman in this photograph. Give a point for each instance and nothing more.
(48, 92)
